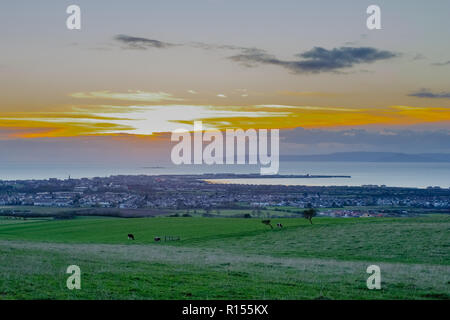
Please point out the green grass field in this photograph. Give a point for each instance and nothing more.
(225, 258)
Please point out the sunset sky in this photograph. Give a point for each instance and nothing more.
(138, 69)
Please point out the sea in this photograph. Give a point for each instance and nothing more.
(392, 174)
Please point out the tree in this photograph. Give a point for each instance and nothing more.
(309, 214)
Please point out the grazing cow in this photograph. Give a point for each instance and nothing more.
(279, 225)
(157, 239)
(130, 236)
(267, 222)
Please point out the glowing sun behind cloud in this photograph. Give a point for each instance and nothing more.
(147, 120)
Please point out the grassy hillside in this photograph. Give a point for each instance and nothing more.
(226, 258)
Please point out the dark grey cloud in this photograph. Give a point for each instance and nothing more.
(445, 63)
(317, 59)
(141, 43)
(211, 46)
(419, 56)
(251, 57)
(132, 42)
(425, 93)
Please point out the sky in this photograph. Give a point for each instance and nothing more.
(139, 69)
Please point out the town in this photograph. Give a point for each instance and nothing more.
(192, 194)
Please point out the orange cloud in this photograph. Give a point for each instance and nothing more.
(149, 120)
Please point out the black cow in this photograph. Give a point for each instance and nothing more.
(267, 222)
(157, 239)
(130, 236)
(279, 225)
